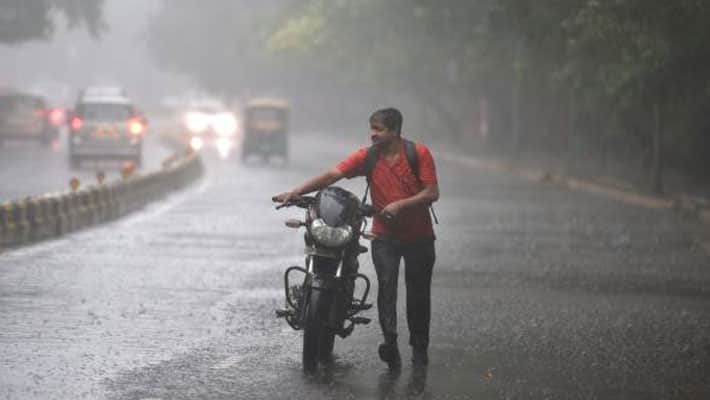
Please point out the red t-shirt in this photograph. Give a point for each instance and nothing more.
(395, 182)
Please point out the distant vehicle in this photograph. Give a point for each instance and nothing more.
(103, 91)
(266, 128)
(25, 117)
(208, 123)
(105, 126)
(58, 99)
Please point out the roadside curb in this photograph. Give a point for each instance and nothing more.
(692, 206)
(624, 196)
(33, 219)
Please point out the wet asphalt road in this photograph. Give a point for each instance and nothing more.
(29, 169)
(538, 293)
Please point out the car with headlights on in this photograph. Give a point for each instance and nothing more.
(208, 123)
(105, 126)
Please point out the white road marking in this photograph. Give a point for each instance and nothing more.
(228, 362)
(153, 211)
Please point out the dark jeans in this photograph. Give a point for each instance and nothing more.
(418, 265)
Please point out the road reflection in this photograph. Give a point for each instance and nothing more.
(417, 381)
(388, 383)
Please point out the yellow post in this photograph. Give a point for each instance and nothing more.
(74, 184)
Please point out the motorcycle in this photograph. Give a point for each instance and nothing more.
(322, 303)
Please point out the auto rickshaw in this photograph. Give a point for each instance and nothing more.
(266, 128)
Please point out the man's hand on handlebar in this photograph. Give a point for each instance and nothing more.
(391, 211)
(285, 197)
(288, 199)
(371, 211)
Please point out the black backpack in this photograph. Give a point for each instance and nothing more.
(410, 149)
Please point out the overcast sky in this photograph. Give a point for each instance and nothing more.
(75, 58)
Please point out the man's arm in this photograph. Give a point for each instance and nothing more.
(319, 182)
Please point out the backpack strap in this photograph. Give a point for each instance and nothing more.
(370, 161)
(410, 149)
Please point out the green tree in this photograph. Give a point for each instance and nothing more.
(22, 20)
(622, 74)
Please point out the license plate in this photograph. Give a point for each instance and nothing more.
(105, 131)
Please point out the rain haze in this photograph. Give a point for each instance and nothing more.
(484, 199)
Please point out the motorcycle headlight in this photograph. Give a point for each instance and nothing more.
(196, 143)
(330, 236)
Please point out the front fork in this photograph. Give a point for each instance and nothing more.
(342, 307)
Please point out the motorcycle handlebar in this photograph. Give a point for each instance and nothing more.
(306, 201)
(301, 201)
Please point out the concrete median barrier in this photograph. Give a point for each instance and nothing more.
(16, 227)
(38, 219)
(21, 223)
(58, 210)
(76, 212)
(43, 217)
(8, 229)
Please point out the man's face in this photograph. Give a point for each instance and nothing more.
(379, 134)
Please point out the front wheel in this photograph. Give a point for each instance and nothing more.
(318, 339)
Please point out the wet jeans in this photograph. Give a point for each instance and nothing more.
(418, 265)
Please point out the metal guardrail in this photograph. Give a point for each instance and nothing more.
(42, 217)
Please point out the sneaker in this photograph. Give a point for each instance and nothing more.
(389, 353)
(420, 356)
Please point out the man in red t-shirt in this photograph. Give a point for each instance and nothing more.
(402, 229)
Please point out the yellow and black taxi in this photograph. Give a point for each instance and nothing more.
(266, 128)
(105, 125)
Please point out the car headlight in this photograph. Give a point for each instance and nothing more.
(225, 124)
(330, 236)
(196, 122)
(196, 143)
